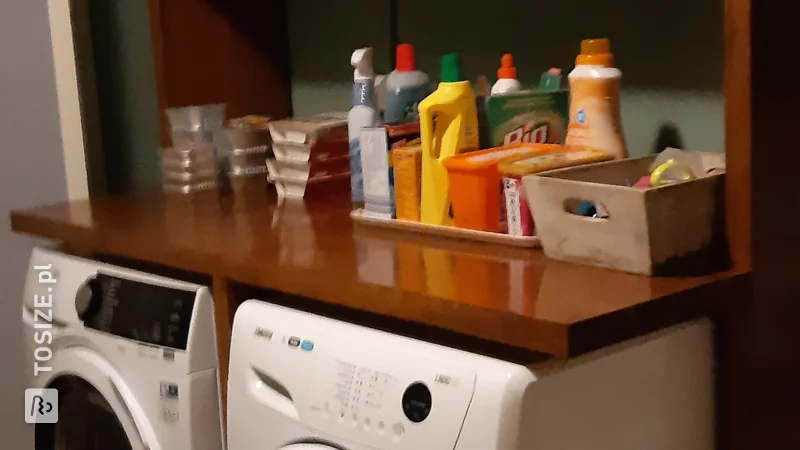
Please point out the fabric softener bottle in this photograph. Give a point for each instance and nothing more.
(594, 111)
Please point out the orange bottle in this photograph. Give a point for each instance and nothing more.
(594, 112)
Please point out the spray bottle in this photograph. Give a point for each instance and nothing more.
(364, 113)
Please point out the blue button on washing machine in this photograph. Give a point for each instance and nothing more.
(307, 346)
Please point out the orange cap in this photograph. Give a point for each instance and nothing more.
(595, 52)
(507, 69)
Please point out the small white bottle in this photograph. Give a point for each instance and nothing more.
(506, 77)
(364, 113)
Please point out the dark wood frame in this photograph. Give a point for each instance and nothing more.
(757, 329)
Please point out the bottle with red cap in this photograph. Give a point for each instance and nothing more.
(405, 87)
(506, 77)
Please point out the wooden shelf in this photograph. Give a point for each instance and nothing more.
(511, 297)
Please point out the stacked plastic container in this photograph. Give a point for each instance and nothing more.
(247, 149)
(192, 163)
(311, 156)
(206, 155)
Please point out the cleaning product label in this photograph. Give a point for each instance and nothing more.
(403, 104)
(518, 215)
(595, 117)
(377, 172)
(363, 93)
(525, 117)
(356, 177)
(407, 165)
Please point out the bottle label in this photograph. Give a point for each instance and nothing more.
(364, 93)
(356, 177)
(517, 214)
(595, 116)
(403, 104)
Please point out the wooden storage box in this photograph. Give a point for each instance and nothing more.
(666, 230)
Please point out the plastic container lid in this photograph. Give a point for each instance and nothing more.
(450, 69)
(595, 52)
(566, 157)
(507, 69)
(405, 61)
(489, 158)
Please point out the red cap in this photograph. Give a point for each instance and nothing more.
(507, 69)
(404, 56)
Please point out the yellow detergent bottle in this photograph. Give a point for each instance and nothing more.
(448, 126)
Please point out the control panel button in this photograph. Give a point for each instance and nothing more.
(380, 427)
(86, 303)
(417, 402)
(307, 346)
(366, 423)
(294, 341)
(398, 429)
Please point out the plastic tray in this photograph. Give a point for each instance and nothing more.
(363, 218)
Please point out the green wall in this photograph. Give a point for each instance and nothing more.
(670, 52)
(126, 93)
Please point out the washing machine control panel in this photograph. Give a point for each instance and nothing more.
(372, 393)
(390, 398)
(144, 312)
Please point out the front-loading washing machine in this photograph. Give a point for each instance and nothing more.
(132, 356)
(301, 381)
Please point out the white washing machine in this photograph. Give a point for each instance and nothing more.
(132, 356)
(303, 382)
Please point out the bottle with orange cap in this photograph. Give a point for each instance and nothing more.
(506, 77)
(594, 109)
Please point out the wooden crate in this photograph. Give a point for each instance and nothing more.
(668, 230)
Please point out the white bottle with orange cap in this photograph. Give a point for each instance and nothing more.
(506, 77)
(594, 111)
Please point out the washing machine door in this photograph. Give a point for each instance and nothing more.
(310, 446)
(96, 410)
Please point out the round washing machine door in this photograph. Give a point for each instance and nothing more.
(95, 409)
(86, 420)
(310, 446)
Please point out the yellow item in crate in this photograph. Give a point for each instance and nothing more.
(448, 126)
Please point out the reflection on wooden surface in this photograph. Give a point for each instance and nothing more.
(510, 296)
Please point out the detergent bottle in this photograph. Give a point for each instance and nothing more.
(594, 113)
(363, 114)
(405, 87)
(448, 126)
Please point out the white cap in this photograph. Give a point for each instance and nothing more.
(362, 62)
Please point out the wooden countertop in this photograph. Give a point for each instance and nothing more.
(512, 297)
